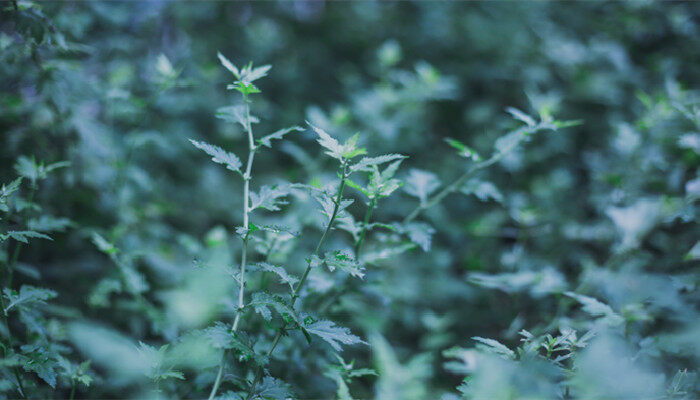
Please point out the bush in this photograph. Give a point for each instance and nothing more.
(464, 200)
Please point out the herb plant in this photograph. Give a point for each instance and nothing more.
(469, 201)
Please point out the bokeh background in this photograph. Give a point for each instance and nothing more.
(607, 208)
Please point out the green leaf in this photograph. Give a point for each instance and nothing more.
(30, 169)
(366, 163)
(103, 245)
(354, 185)
(28, 295)
(483, 190)
(510, 141)
(350, 149)
(228, 65)
(495, 347)
(250, 74)
(219, 155)
(333, 334)
(343, 262)
(269, 198)
(244, 87)
(272, 388)
(328, 204)
(23, 236)
(266, 140)
(236, 114)
(334, 149)
(10, 188)
(42, 361)
(420, 233)
(263, 302)
(421, 184)
(279, 271)
(464, 150)
(596, 308)
(521, 116)
(221, 337)
(48, 223)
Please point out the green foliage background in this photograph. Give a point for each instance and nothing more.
(590, 228)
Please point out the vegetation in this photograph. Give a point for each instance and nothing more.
(391, 200)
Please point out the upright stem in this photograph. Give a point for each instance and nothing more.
(365, 223)
(244, 252)
(9, 270)
(300, 285)
(358, 247)
(454, 186)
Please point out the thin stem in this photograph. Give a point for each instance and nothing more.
(454, 186)
(9, 269)
(358, 247)
(244, 252)
(300, 285)
(365, 223)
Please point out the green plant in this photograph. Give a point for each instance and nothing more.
(32, 340)
(540, 263)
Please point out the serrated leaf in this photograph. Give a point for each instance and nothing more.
(420, 233)
(30, 169)
(42, 361)
(228, 65)
(334, 149)
(495, 347)
(333, 334)
(250, 74)
(272, 388)
(266, 140)
(596, 308)
(8, 189)
(421, 184)
(221, 337)
(236, 114)
(269, 198)
(219, 155)
(27, 295)
(328, 205)
(483, 190)
(280, 272)
(343, 262)
(354, 185)
(263, 302)
(23, 236)
(350, 149)
(366, 163)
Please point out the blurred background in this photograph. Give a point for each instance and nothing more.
(606, 209)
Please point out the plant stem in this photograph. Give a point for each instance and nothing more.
(9, 270)
(358, 247)
(368, 215)
(300, 285)
(244, 252)
(454, 186)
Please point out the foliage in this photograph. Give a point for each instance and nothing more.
(390, 201)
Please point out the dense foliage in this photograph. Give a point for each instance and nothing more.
(391, 200)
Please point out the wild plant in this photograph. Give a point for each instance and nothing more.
(271, 198)
(31, 330)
